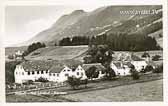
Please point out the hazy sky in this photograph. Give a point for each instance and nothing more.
(24, 22)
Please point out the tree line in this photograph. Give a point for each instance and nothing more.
(33, 47)
(126, 42)
(76, 40)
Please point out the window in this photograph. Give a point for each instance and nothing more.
(46, 71)
(50, 74)
(102, 72)
(16, 72)
(81, 73)
(37, 72)
(53, 74)
(57, 75)
(32, 72)
(77, 73)
(64, 70)
(22, 73)
(68, 70)
(66, 75)
(28, 72)
(42, 72)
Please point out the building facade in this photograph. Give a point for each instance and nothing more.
(32, 71)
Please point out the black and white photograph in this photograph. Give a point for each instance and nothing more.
(83, 53)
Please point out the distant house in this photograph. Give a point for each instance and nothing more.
(49, 70)
(18, 55)
(138, 63)
(122, 64)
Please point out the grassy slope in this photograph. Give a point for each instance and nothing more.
(156, 36)
(57, 53)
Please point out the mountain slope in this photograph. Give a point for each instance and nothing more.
(80, 23)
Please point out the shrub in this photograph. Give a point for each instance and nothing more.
(73, 82)
(28, 82)
(134, 74)
(148, 68)
(145, 54)
(156, 58)
(9, 71)
(41, 79)
(159, 69)
(110, 74)
(11, 57)
(92, 72)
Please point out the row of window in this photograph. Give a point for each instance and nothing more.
(42, 72)
(38, 72)
(33, 72)
(54, 74)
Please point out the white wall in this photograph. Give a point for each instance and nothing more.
(22, 76)
(121, 71)
(139, 65)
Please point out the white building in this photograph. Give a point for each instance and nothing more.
(120, 68)
(125, 60)
(33, 70)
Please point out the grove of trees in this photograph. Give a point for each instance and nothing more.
(76, 40)
(33, 47)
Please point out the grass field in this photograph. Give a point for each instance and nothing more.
(57, 53)
(147, 91)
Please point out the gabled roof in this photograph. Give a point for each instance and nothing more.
(37, 65)
(56, 68)
(52, 65)
(119, 64)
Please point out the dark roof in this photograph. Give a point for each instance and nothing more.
(97, 65)
(128, 64)
(118, 64)
(52, 65)
(56, 68)
(37, 65)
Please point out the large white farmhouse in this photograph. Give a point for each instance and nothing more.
(50, 70)
(122, 65)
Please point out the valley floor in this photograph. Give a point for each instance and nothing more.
(147, 88)
(147, 91)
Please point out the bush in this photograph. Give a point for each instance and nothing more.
(159, 69)
(92, 72)
(156, 58)
(135, 74)
(144, 55)
(9, 71)
(11, 57)
(148, 68)
(110, 74)
(41, 79)
(28, 82)
(74, 82)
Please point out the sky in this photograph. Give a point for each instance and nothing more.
(22, 22)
